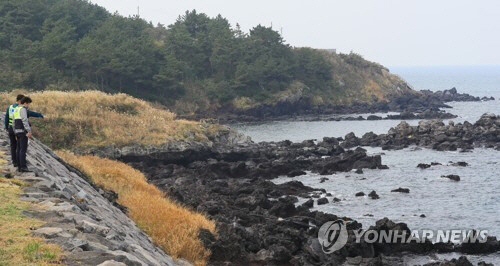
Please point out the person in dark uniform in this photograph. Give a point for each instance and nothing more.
(22, 129)
(9, 121)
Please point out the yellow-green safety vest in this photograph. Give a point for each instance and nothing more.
(17, 112)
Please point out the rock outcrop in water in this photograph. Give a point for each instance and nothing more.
(434, 134)
(432, 113)
(426, 104)
(452, 177)
(252, 160)
(411, 105)
(401, 190)
(452, 95)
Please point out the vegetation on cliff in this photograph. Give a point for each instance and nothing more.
(88, 119)
(197, 64)
(171, 226)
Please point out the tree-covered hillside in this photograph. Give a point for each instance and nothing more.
(197, 64)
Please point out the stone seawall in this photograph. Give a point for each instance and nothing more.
(90, 229)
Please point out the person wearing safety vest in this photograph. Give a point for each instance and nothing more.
(9, 121)
(22, 129)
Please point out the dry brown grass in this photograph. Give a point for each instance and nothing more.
(88, 119)
(17, 245)
(170, 225)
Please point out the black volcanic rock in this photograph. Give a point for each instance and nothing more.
(490, 245)
(452, 95)
(322, 201)
(373, 195)
(295, 173)
(374, 117)
(258, 221)
(423, 165)
(401, 190)
(462, 261)
(452, 177)
(350, 141)
(308, 204)
(436, 135)
(462, 164)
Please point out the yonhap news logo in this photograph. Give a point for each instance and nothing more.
(333, 236)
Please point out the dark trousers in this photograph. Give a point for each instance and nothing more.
(22, 147)
(13, 146)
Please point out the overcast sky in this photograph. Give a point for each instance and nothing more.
(391, 32)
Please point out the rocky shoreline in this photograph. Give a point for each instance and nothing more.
(406, 115)
(423, 104)
(258, 222)
(261, 223)
(434, 134)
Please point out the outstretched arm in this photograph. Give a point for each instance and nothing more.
(34, 114)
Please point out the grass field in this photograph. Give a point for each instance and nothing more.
(17, 245)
